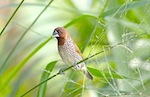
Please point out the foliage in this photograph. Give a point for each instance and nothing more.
(113, 35)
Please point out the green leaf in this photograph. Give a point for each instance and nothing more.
(75, 20)
(21, 64)
(45, 75)
(103, 74)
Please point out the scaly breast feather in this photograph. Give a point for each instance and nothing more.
(68, 53)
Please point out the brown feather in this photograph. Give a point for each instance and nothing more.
(78, 50)
(69, 51)
(63, 35)
(61, 41)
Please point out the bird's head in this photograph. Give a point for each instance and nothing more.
(61, 33)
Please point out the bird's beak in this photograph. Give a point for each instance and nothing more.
(55, 33)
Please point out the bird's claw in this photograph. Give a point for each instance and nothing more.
(75, 64)
(61, 72)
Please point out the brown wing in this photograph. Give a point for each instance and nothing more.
(78, 50)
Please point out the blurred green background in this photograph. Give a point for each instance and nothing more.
(116, 32)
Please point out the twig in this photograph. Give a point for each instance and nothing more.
(58, 73)
(64, 71)
(9, 55)
(11, 17)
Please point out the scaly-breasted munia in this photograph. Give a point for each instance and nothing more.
(69, 51)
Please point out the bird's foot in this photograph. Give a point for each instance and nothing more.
(61, 71)
(76, 66)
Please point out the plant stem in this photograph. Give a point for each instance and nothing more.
(11, 17)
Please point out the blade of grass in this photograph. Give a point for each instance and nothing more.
(103, 9)
(45, 75)
(126, 7)
(23, 5)
(95, 27)
(78, 19)
(21, 64)
(24, 27)
(99, 73)
(12, 17)
(10, 54)
(23, 75)
(53, 76)
(39, 84)
(72, 10)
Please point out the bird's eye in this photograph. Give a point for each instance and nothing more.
(59, 31)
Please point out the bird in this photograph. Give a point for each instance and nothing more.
(69, 51)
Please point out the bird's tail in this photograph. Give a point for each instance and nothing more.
(88, 75)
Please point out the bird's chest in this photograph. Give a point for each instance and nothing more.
(68, 53)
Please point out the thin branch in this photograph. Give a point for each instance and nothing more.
(11, 17)
(9, 55)
(58, 73)
(103, 9)
(40, 84)
(64, 71)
